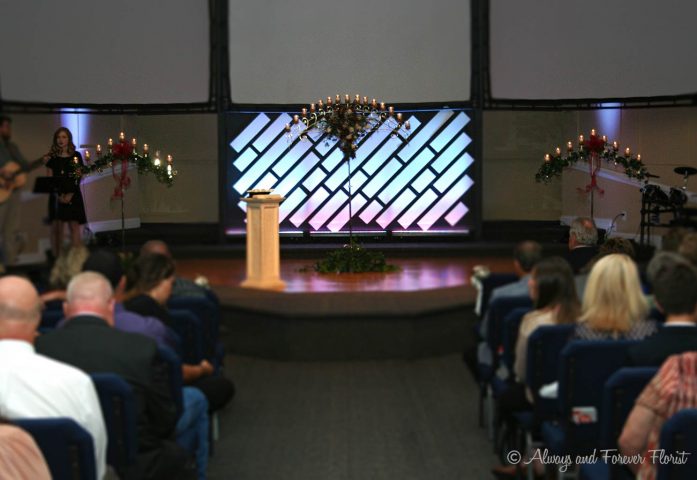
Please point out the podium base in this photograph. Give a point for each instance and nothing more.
(264, 283)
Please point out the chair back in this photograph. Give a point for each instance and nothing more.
(50, 318)
(191, 332)
(511, 325)
(174, 374)
(583, 366)
(544, 348)
(208, 313)
(119, 411)
(679, 434)
(491, 282)
(498, 310)
(67, 447)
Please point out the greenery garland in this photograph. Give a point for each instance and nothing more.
(553, 165)
(143, 162)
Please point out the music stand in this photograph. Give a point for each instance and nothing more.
(54, 185)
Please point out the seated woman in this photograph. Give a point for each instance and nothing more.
(552, 290)
(672, 389)
(150, 286)
(614, 306)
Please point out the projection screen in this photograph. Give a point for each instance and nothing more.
(397, 50)
(86, 51)
(549, 49)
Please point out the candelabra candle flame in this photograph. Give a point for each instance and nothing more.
(347, 120)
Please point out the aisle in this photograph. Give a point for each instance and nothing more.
(397, 420)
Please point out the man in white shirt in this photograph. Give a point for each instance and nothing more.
(35, 386)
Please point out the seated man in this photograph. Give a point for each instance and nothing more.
(674, 283)
(35, 386)
(583, 243)
(88, 342)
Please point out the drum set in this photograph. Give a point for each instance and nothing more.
(656, 201)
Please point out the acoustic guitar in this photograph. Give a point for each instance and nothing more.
(13, 176)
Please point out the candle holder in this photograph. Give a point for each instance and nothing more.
(594, 151)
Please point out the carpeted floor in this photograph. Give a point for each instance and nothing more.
(376, 420)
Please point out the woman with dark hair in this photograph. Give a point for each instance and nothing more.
(553, 293)
(66, 204)
(150, 281)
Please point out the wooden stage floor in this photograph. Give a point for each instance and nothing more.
(415, 274)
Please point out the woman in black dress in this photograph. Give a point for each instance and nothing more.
(66, 204)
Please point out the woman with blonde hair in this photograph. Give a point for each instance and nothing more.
(68, 264)
(614, 306)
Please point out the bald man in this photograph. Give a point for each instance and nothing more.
(88, 342)
(35, 386)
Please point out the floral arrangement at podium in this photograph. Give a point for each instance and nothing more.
(594, 151)
(347, 121)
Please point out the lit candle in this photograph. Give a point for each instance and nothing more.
(407, 125)
(638, 157)
(75, 160)
(312, 107)
(329, 100)
(627, 152)
(87, 156)
(287, 127)
(169, 159)
(146, 149)
(122, 137)
(99, 150)
(547, 157)
(592, 132)
(110, 143)
(358, 99)
(391, 110)
(382, 106)
(133, 144)
(615, 145)
(304, 112)
(338, 99)
(374, 103)
(346, 98)
(569, 146)
(604, 138)
(558, 151)
(296, 119)
(156, 160)
(320, 104)
(580, 139)
(399, 117)
(365, 101)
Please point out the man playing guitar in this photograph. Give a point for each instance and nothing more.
(12, 166)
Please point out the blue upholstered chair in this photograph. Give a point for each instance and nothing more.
(511, 325)
(119, 411)
(191, 332)
(679, 434)
(67, 447)
(208, 313)
(489, 283)
(583, 366)
(619, 394)
(50, 318)
(174, 374)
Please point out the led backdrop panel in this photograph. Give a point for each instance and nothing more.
(425, 185)
(551, 49)
(86, 51)
(402, 51)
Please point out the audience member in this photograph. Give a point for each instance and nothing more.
(67, 265)
(152, 277)
(614, 306)
(583, 243)
(182, 287)
(674, 283)
(88, 342)
(109, 264)
(34, 386)
(688, 247)
(20, 457)
(673, 238)
(552, 291)
(672, 389)
(525, 256)
(609, 246)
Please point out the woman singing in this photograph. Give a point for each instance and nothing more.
(65, 205)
